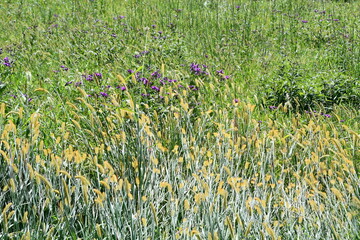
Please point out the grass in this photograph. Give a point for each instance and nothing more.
(179, 120)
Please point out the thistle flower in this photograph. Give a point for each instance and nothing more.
(104, 94)
(155, 88)
(98, 75)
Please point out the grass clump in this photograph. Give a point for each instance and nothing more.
(184, 120)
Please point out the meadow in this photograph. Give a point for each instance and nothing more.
(179, 119)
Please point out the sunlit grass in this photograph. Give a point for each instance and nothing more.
(184, 120)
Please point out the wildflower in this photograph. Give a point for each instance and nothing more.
(89, 77)
(130, 71)
(272, 107)
(104, 94)
(236, 100)
(98, 75)
(336, 20)
(304, 21)
(64, 68)
(155, 88)
(7, 62)
(68, 83)
(144, 80)
(192, 87)
(114, 35)
(156, 74)
(123, 88)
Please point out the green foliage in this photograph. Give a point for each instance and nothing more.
(179, 119)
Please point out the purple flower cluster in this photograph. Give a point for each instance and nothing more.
(198, 69)
(6, 62)
(316, 114)
(92, 77)
(222, 74)
(143, 53)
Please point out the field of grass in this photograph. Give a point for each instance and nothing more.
(179, 119)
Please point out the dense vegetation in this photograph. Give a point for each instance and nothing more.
(179, 119)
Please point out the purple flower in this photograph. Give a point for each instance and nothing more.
(220, 71)
(336, 20)
(237, 7)
(7, 62)
(130, 71)
(153, 26)
(226, 77)
(137, 55)
(342, 120)
(155, 88)
(68, 83)
(123, 88)
(89, 77)
(64, 68)
(304, 21)
(104, 94)
(98, 75)
(156, 74)
(78, 84)
(114, 35)
(236, 100)
(272, 107)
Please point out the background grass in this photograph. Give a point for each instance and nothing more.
(179, 119)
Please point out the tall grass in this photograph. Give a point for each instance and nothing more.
(179, 120)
